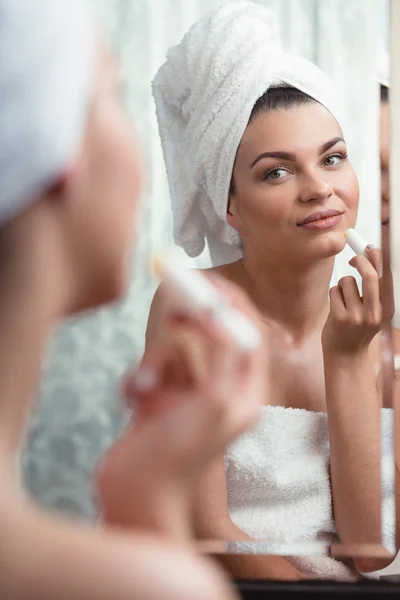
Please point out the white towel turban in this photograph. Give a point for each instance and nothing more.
(47, 52)
(204, 95)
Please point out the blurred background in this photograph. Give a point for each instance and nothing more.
(78, 406)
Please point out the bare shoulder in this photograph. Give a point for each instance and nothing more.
(231, 272)
(161, 302)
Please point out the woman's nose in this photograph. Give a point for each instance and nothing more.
(315, 189)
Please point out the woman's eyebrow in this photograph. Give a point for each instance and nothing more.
(292, 157)
(277, 154)
(329, 144)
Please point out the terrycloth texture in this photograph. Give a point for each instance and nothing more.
(204, 94)
(279, 488)
(47, 55)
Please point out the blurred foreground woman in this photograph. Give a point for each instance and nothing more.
(70, 179)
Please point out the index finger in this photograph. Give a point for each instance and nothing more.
(374, 255)
(370, 283)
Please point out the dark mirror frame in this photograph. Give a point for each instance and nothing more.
(265, 590)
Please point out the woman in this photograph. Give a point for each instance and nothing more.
(264, 177)
(70, 179)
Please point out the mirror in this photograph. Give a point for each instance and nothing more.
(394, 190)
(390, 136)
(302, 490)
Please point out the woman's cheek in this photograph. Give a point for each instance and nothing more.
(350, 193)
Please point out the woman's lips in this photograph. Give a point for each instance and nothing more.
(323, 223)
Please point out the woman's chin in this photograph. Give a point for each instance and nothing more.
(329, 245)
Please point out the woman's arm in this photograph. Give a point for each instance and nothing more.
(354, 421)
(45, 558)
(211, 521)
(354, 410)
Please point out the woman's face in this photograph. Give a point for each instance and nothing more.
(106, 184)
(296, 192)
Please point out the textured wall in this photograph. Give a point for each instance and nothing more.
(78, 412)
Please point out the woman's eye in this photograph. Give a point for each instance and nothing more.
(275, 174)
(333, 160)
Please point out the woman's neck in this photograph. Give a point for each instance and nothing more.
(292, 295)
(30, 295)
(23, 336)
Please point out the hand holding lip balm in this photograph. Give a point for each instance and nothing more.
(198, 294)
(355, 307)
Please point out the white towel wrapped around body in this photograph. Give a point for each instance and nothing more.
(204, 95)
(279, 488)
(47, 50)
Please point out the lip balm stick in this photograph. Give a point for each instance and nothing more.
(358, 245)
(198, 294)
(355, 241)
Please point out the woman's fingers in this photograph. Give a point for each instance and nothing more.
(369, 271)
(195, 353)
(375, 257)
(146, 377)
(337, 304)
(223, 348)
(351, 299)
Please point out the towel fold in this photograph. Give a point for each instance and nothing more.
(46, 76)
(204, 95)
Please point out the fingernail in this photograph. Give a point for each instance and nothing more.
(371, 247)
(145, 379)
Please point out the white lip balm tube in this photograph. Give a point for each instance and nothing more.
(355, 241)
(199, 294)
(358, 245)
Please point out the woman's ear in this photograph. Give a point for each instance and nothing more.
(61, 185)
(231, 216)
